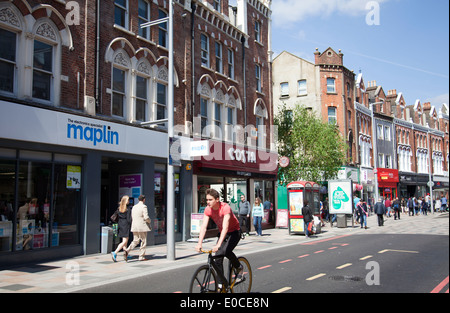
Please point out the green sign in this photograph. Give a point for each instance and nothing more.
(338, 197)
(340, 192)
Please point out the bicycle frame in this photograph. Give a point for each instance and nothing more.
(212, 263)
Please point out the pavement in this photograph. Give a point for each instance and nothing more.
(83, 272)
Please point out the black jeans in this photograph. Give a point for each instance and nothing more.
(244, 220)
(226, 250)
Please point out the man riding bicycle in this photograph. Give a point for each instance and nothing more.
(230, 231)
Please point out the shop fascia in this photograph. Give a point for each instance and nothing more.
(193, 148)
(59, 128)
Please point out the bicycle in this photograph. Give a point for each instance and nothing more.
(205, 277)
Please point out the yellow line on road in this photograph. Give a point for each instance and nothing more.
(315, 277)
(344, 266)
(282, 290)
(401, 251)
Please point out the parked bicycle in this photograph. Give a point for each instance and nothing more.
(205, 277)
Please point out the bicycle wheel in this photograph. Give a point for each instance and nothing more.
(203, 281)
(243, 285)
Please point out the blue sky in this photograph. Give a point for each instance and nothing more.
(408, 50)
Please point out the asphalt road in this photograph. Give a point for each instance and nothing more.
(376, 263)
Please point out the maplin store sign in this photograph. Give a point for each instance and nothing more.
(26, 123)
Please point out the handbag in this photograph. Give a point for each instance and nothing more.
(115, 217)
(310, 227)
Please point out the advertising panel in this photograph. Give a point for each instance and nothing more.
(340, 194)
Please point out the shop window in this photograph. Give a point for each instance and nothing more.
(160, 204)
(33, 215)
(159, 224)
(48, 199)
(67, 203)
(7, 204)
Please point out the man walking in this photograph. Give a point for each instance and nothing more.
(379, 210)
(307, 217)
(244, 215)
(140, 225)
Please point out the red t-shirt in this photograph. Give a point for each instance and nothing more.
(218, 215)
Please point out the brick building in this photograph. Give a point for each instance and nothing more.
(78, 79)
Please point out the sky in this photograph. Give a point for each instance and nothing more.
(401, 44)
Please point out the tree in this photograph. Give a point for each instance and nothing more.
(315, 149)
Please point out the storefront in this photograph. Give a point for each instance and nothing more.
(388, 180)
(63, 174)
(234, 171)
(367, 180)
(407, 186)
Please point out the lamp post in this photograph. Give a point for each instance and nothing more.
(170, 107)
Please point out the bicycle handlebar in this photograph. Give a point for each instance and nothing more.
(205, 251)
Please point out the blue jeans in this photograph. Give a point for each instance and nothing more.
(363, 219)
(257, 223)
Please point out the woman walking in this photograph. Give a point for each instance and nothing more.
(124, 226)
(257, 215)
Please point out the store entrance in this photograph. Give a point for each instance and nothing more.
(114, 172)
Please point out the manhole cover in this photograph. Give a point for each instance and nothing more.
(346, 278)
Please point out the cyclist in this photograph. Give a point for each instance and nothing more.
(229, 228)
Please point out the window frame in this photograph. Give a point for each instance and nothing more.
(118, 6)
(258, 74)
(12, 63)
(143, 20)
(302, 92)
(205, 50)
(331, 79)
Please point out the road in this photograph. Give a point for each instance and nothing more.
(375, 263)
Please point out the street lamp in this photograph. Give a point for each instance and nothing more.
(170, 107)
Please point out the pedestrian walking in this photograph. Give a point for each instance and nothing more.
(388, 205)
(396, 205)
(424, 207)
(410, 206)
(124, 225)
(437, 206)
(443, 203)
(244, 215)
(380, 210)
(326, 211)
(307, 217)
(140, 225)
(257, 215)
(403, 204)
(362, 213)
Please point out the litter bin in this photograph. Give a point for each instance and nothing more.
(107, 239)
(342, 221)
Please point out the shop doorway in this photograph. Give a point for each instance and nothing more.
(111, 189)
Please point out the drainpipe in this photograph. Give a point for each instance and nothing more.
(97, 60)
(193, 9)
(244, 69)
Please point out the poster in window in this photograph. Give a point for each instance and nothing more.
(73, 177)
